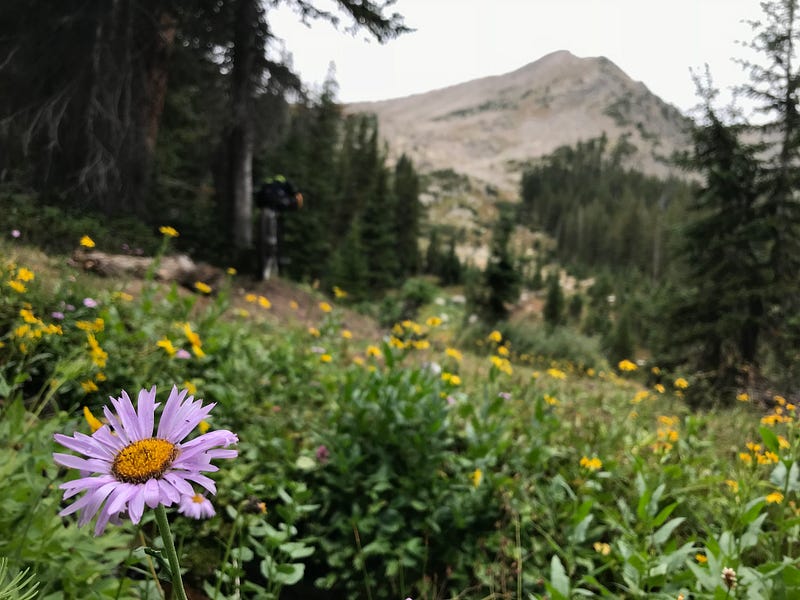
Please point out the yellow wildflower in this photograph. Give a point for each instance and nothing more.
(191, 336)
(639, 396)
(94, 422)
(166, 344)
(396, 343)
(325, 307)
(732, 484)
(593, 464)
(168, 231)
(24, 274)
(100, 376)
(17, 286)
(87, 242)
(230, 271)
(339, 292)
(453, 353)
(556, 373)
(89, 386)
(421, 344)
(476, 477)
(99, 356)
(681, 383)
(655, 371)
(294, 305)
(590, 372)
(347, 334)
(203, 426)
(326, 358)
(743, 397)
(123, 296)
(502, 351)
(551, 400)
(358, 360)
(433, 322)
(373, 351)
(455, 380)
(746, 458)
(626, 365)
(659, 388)
(774, 498)
(668, 421)
(190, 387)
(28, 316)
(314, 331)
(97, 325)
(202, 287)
(250, 297)
(495, 337)
(701, 558)
(602, 548)
(264, 302)
(783, 442)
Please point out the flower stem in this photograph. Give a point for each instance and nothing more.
(169, 549)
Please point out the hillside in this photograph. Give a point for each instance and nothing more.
(489, 128)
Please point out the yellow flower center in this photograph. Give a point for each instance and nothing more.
(198, 499)
(143, 459)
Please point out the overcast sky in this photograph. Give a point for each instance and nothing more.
(653, 41)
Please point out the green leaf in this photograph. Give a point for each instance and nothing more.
(558, 578)
(289, 574)
(663, 533)
(665, 512)
(770, 439)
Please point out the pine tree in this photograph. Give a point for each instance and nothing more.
(348, 267)
(775, 85)
(407, 216)
(718, 314)
(501, 280)
(553, 311)
(378, 234)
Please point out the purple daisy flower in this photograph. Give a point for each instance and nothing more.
(196, 507)
(126, 466)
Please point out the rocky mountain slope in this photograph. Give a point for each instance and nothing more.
(489, 128)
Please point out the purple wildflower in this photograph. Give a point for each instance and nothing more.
(196, 507)
(126, 466)
(90, 303)
(504, 395)
(323, 454)
(183, 353)
(15, 233)
(57, 315)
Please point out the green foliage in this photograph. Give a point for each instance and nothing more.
(359, 467)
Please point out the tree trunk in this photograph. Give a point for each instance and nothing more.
(240, 142)
(157, 65)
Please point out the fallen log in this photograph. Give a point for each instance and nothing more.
(178, 267)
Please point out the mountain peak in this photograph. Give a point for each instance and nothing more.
(489, 127)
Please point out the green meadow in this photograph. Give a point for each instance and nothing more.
(426, 460)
